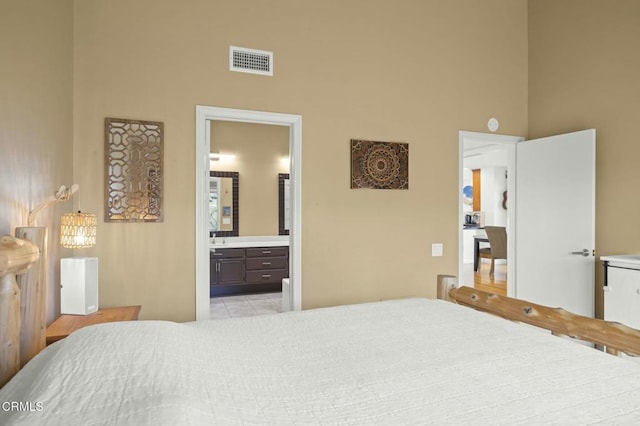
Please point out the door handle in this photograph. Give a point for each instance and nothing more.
(583, 252)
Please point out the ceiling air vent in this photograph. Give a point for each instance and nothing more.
(250, 60)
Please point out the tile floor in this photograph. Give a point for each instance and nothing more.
(245, 305)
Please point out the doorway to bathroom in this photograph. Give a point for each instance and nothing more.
(249, 246)
(205, 117)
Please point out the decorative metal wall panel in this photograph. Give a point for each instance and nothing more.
(134, 175)
(379, 165)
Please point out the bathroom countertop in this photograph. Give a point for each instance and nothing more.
(625, 259)
(242, 242)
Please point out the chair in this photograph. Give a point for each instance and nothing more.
(497, 249)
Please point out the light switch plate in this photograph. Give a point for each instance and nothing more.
(437, 249)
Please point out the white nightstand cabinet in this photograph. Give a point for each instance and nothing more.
(622, 289)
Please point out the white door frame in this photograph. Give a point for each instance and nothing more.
(510, 144)
(204, 114)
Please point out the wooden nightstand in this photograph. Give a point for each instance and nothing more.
(67, 324)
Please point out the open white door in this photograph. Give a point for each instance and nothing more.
(555, 226)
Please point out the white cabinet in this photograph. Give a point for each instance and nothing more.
(622, 290)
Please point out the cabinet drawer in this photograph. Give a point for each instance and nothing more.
(267, 263)
(226, 253)
(266, 276)
(267, 251)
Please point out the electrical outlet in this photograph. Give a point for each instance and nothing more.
(437, 249)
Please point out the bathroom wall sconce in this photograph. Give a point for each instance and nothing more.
(223, 158)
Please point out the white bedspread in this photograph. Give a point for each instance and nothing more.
(398, 362)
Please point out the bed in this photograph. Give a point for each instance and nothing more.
(410, 361)
(394, 362)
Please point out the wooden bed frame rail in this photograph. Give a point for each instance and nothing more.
(613, 336)
(16, 257)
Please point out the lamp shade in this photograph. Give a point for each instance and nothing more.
(78, 230)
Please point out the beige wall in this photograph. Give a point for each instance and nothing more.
(583, 73)
(36, 129)
(412, 71)
(259, 150)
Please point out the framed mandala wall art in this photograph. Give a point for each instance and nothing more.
(379, 165)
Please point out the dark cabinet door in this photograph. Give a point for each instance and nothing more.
(230, 271)
(213, 272)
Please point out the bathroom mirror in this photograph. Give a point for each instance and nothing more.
(284, 210)
(224, 214)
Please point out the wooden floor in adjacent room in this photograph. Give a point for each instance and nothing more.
(496, 284)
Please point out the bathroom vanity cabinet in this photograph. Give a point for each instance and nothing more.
(247, 270)
(226, 267)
